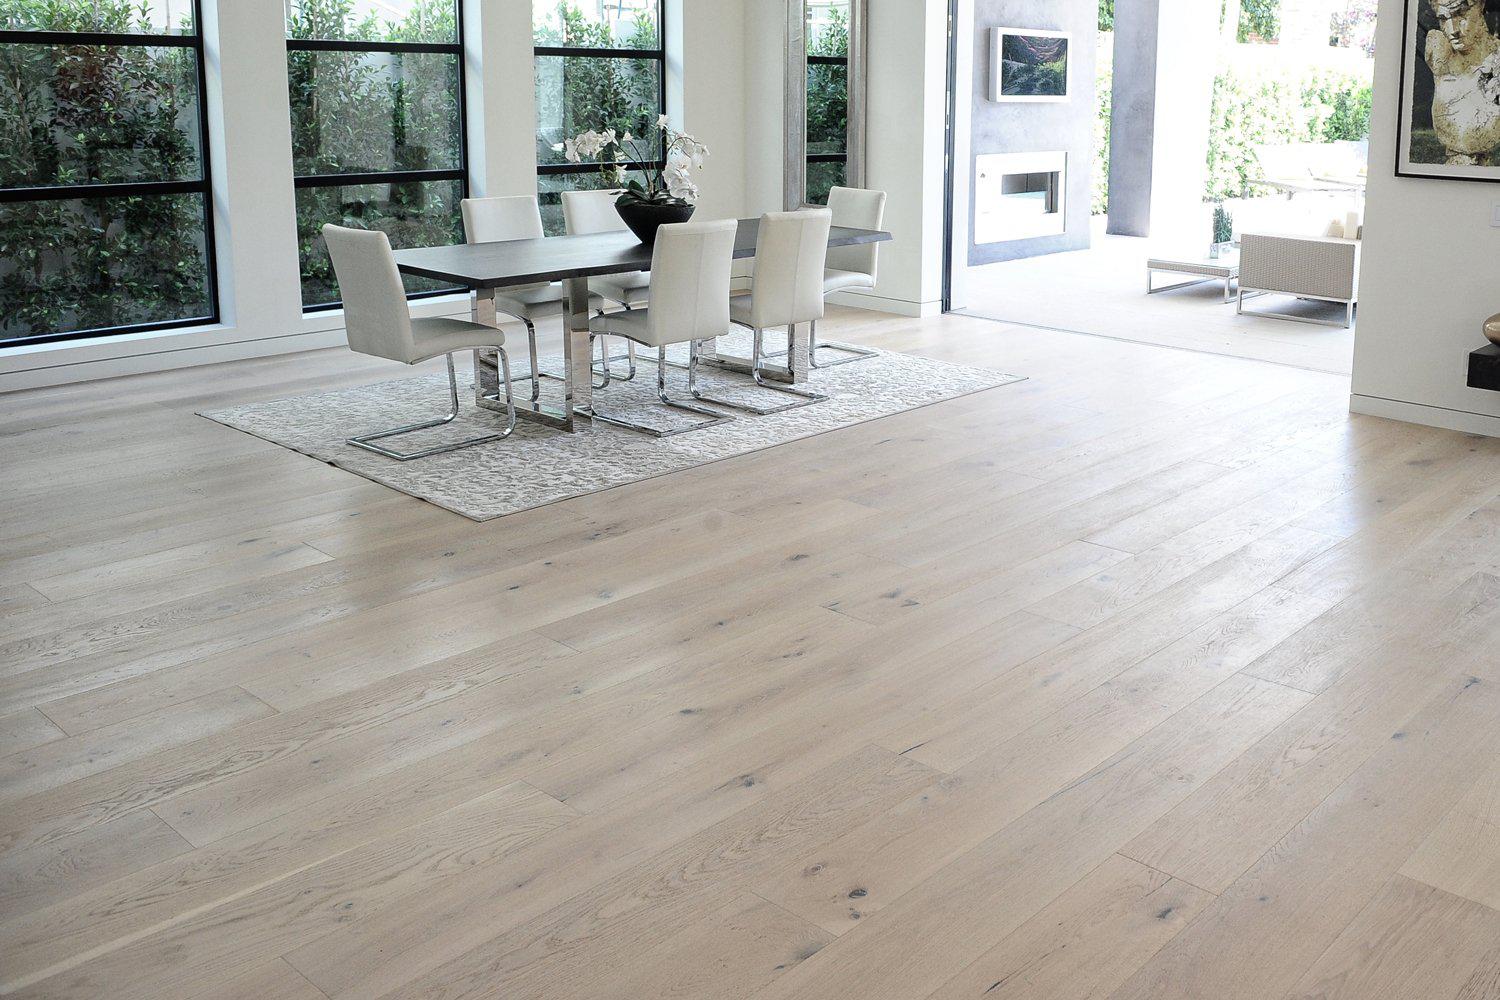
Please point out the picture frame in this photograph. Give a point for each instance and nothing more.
(1449, 106)
(1024, 65)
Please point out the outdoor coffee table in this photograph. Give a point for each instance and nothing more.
(1225, 269)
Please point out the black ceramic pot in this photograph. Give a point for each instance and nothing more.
(645, 217)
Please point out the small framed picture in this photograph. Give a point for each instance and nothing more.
(1450, 91)
(1029, 64)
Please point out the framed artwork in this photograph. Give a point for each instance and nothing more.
(1450, 91)
(1028, 64)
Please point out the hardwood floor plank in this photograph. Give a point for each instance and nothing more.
(1412, 942)
(1087, 941)
(1272, 924)
(26, 729)
(729, 955)
(1220, 831)
(903, 950)
(878, 863)
(1147, 602)
(571, 949)
(226, 940)
(1462, 854)
(40, 876)
(61, 761)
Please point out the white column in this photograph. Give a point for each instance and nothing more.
(501, 86)
(250, 142)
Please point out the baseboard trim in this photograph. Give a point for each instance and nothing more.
(1430, 416)
(879, 303)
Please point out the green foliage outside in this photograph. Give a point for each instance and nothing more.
(578, 94)
(1104, 81)
(93, 114)
(1259, 20)
(355, 112)
(827, 105)
(1106, 15)
(1253, 110)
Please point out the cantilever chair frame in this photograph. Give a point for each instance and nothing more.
(366, 441)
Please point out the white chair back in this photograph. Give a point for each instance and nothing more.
(376, 316)
(856, 208)
(789, 258)
(591, 212)
(690, 280)
(495, 220)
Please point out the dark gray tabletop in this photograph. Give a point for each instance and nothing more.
(517, 262)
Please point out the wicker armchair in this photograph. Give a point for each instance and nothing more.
(1310, 267)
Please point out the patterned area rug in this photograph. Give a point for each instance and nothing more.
(539, 465)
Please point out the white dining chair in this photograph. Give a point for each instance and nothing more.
(690, 265)
(588, 212)
(517, 217)
(852, 267)
(378, 323)
(790, 251)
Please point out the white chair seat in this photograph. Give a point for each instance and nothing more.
(536, 301)
(632, 288)
(635, 325)
(834, 281)
(441, 335)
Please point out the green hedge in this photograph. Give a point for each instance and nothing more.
(1251, 110)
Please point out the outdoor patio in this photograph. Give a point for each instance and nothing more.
(1102, 291)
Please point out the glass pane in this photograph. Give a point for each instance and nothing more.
(578, 93)
(551, 186)
(78, 114)
(101, 262)
(827, 108)
(360, 112)
(373, 20)
(139, 17)
(413, 214)
(828, 28)
(598, 24)
(821, 177)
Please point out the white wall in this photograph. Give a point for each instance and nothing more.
(1430, 276)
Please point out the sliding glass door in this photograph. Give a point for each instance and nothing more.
(377, 98)
(105, 219)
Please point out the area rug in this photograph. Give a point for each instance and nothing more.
(539, 465)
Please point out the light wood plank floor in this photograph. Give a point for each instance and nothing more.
(1156, 676)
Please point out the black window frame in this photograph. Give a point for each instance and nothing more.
(842, 157)
(203, 186)
(459, 173)
(658, 54)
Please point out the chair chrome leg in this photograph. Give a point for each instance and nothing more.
(535, 375)
(757, 351)
(857, 353)
(667, 401)
(364, 441)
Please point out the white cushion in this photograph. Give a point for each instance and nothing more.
(834, 281)
(630, 288)
(635, 325)
(535, 301)
(440, 335)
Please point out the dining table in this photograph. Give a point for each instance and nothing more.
(483, 268)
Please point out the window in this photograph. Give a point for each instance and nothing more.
(827, 97)
(377, 98)
(599, 64)
(105, 223)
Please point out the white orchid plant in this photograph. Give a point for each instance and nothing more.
(668, 177)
